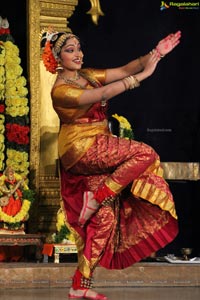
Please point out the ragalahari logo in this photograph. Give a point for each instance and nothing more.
(179, 5)
(164, 5)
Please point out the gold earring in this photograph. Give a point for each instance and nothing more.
(59, 67)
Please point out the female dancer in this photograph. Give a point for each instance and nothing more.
(116, 202)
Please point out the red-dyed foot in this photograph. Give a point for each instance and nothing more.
(86, 294)
(90, 206)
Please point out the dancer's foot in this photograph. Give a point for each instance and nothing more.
(85, 294)
(90, 206)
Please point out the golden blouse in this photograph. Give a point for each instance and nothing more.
(77, 130)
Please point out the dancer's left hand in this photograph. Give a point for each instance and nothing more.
(167, 44)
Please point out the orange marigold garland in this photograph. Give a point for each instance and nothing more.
(49, 59)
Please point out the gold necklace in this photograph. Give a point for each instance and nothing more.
(75, 78)
(72, 81)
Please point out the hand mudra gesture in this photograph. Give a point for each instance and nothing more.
(167, 44)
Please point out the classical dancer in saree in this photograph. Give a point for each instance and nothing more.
(116, 202)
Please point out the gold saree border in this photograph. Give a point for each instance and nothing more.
(113, 185)
(150, 192)
(83, 263)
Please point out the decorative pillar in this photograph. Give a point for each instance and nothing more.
(41, 15)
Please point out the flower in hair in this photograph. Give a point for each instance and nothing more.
(49, 59)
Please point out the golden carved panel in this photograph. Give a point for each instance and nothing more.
(41, 14)
(34, 58)
(56, 13)
(181, 170)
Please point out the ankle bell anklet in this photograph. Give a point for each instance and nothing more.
(108, 201)
(86, 282)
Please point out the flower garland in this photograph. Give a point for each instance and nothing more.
(14, 125)
(22, 215)
(63, 233)
(14, 110)
(2, 105)
(125, 127)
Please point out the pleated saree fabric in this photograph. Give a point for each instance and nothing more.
(142, 218)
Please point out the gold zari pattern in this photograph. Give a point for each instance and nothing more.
(154, 195)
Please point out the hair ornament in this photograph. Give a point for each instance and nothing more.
(52, 43)
(48, 58)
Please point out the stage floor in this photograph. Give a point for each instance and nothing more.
(58, 275)
(126, 293)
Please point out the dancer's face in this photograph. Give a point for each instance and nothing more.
(71, 54)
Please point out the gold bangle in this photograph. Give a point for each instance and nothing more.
(124, 83)
(131, 82)
(137, 83)
(152, 51)
(134, 82)
(127, 83)
(161, 55)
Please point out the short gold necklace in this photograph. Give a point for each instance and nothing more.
(72, 80)
(76, 77)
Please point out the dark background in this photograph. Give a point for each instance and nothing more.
(165, 110)
(168, 101)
